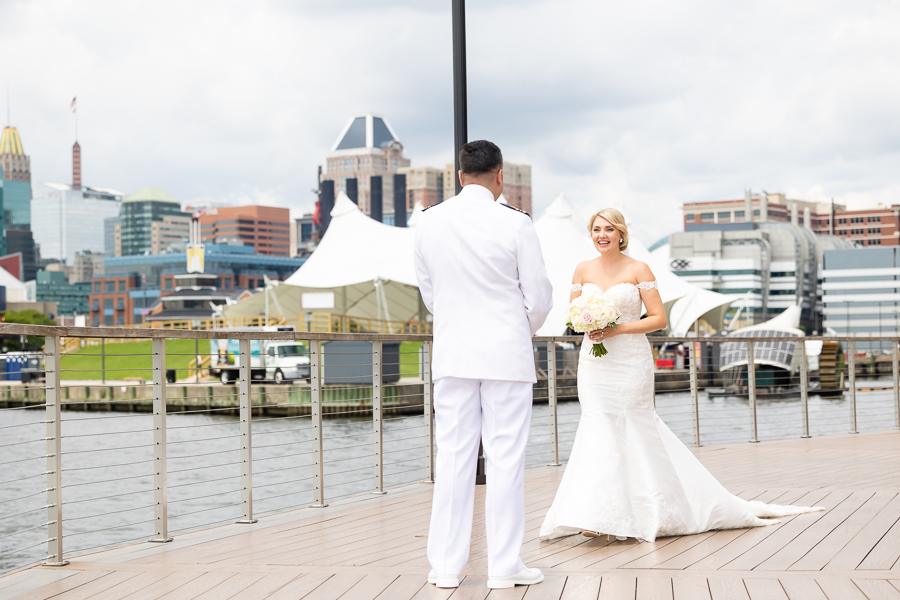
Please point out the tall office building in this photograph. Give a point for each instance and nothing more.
(516, 184)
(265, 228)
(152, 221)
(72, 220)
(15, 181)
(424, 185)
(367, 146)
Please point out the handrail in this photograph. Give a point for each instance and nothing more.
(558, 380)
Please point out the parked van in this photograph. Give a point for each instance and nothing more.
(271, 360)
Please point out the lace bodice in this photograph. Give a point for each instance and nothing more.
(625, 295)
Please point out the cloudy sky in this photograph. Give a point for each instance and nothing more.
(643, 105)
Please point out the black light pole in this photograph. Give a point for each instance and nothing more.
(461, 132)
(460, 108)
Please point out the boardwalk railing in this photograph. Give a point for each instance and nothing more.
(135, 457)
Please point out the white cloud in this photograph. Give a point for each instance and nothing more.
(643, 105)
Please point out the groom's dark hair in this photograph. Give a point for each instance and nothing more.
(476, 158)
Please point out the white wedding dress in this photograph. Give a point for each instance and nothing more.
(628, 475)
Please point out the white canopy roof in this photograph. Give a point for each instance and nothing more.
(361, 268)
(564, 245)
(357, 249)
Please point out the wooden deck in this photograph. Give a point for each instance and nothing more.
(374, 547)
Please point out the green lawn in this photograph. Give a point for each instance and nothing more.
(85, 363)
(133, 357)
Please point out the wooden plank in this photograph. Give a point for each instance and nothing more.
(200, 585)
(727, 589)
(131, 585)
(815, 534)
(471, 588)
(82, 585)
(265, 587)
(877, 589)
(372, 585)
(856, 550)
(690, 588)
(835, 542)
(680, 545)
(170, 584)
(513, 593)
(840, 589)
(654, 588)
(765, 589)
(298, 588)
(549, 589)
(336, 586)
(581, 587)
(613, 587)
(427, 591)
(231, 586)
(802, 589)
(886, 551)
(31, 579)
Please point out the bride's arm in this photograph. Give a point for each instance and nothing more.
(576, 282)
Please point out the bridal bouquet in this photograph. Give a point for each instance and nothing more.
(590, 312)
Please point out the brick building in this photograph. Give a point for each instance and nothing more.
(516, 184)
(424, 185)
(266, 229)
(878, 226)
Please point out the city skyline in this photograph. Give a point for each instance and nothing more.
(647, 105)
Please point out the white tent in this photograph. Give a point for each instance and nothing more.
(361, 268)
(16, 291)
(564, 244)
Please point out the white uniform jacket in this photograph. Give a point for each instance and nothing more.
(482, 276)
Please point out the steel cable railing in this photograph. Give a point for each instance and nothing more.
(188, 462)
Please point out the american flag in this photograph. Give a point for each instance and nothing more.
(73, 104)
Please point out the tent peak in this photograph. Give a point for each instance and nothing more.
(416, 211)
(560, 208)
(344, 206)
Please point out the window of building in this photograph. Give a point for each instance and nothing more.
(109, 286)
(738, 214)
(756, 213)
(689, 218)
(121, 285)
(168, 283)
(724, 214)
(706, 216)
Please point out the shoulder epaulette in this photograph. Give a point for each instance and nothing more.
(517, 210)
(432, 206)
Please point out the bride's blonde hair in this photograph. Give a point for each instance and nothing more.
(616, 219)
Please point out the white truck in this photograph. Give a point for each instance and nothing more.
(271, 360)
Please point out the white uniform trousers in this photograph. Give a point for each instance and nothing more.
(467, 411)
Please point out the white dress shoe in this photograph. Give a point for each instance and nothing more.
(524, 577)
(443, 581)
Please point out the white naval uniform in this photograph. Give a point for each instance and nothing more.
(482, 276)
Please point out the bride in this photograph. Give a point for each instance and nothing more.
(628, 475)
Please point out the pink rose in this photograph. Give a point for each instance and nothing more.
(587, 317)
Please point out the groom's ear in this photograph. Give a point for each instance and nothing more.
(500, 178)
(460, 178)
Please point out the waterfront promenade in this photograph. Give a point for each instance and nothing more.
(372, 546)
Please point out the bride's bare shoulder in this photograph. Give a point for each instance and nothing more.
(582, 269)
(641, 271)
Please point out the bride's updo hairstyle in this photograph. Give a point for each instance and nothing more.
(617, 220)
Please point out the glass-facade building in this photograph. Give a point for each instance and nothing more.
(70, 221)
(861, 293)
(139, 211)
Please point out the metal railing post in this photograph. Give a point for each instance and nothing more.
(428, 397)
(315, 392)
(751, 382)
(102, 360)
(54, 455)
(695, 395)
(160, 468)
(896, 371)
(246, 403)
(377, 433)
(804, 388)
(852, 367)
(551, 400)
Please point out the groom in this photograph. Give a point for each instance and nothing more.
(482, 276)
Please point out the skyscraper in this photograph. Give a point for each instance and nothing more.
(72, 220)
(367, 146)
(516, 184)
(15, 181)
(152, 220)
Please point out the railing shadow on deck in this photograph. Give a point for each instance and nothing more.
(231, 454)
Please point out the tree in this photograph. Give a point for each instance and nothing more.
(26, 317)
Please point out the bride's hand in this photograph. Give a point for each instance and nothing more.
(601, 335)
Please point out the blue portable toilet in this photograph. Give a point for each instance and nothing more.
(14, 367)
